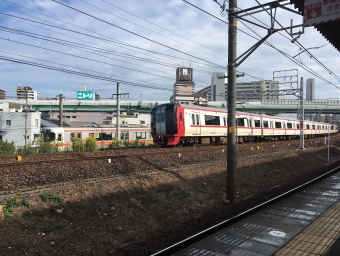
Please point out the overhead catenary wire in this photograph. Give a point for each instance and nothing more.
(285, 54)
(196, 69)
(75, 72)
(115, 40)
(128, 31)
(102, 39)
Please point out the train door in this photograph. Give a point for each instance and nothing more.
(180, 122)
(251, 126)
(195, 116)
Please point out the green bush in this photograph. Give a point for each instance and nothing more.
(48, 147)
(90, 144)
(29, 149)
(10, 204)
(7, 148)
(126, 144)
(115, 144)
(77, 144)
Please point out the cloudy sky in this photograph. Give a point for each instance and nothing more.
(56, 49)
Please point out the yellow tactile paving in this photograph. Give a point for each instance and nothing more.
(290, 252)
(317, 238)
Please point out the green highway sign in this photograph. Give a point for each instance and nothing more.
(85, 95)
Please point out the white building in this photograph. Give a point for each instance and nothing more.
(257, 91)
(12, 127)
(218, 89)
(310, 89)
(26, 92)
(251, 91)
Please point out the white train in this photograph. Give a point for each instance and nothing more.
(174, 124)
(104, 136)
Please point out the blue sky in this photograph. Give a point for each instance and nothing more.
(47, 33)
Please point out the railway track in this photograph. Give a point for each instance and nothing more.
(308, 142)
(39, 189)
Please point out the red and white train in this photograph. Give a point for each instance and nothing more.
(173, 124)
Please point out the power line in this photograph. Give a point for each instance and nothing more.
(285, 54)
(120, 54)
(126, 30)
(75, 72)
(161, 27)
(148, 29)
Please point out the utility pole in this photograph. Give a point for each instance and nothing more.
(61, 110)
(302, 117)
(118, 112)
(26, 116)
(231, 143)
(118, 94)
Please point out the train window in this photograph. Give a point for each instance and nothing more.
(197, 119)
(59, 137)
(180, 116)
(212, 120)
(193, 118)
(278, 125)
(289, 125)
(140, 135)
(76, 135)
(124, 136)
(104, 136)
(307, 126)
(49, 136)
(297, 126)
(225, 121)
(257, 123)
(240, 122)
(265, 124)
(313, 126)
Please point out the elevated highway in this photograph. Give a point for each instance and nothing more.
(271, 107)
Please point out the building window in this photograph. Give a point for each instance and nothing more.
(36, 136)
(142, 122)
(36, 122)
(8, 122)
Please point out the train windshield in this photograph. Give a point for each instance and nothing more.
(170, 119)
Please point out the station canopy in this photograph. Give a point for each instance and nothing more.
(328, 26)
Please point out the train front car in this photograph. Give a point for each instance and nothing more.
(164, 125)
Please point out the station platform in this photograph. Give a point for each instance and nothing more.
(306, 222)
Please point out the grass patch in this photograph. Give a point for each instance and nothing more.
(182, 194)
(50, 228)
(52, 198)
(144, 193)
(10, 204)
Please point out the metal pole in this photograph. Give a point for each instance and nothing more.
(328, 143)
(302, 116)
(61, 110)
(26, 116)
(118, 112)
(231, 143)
